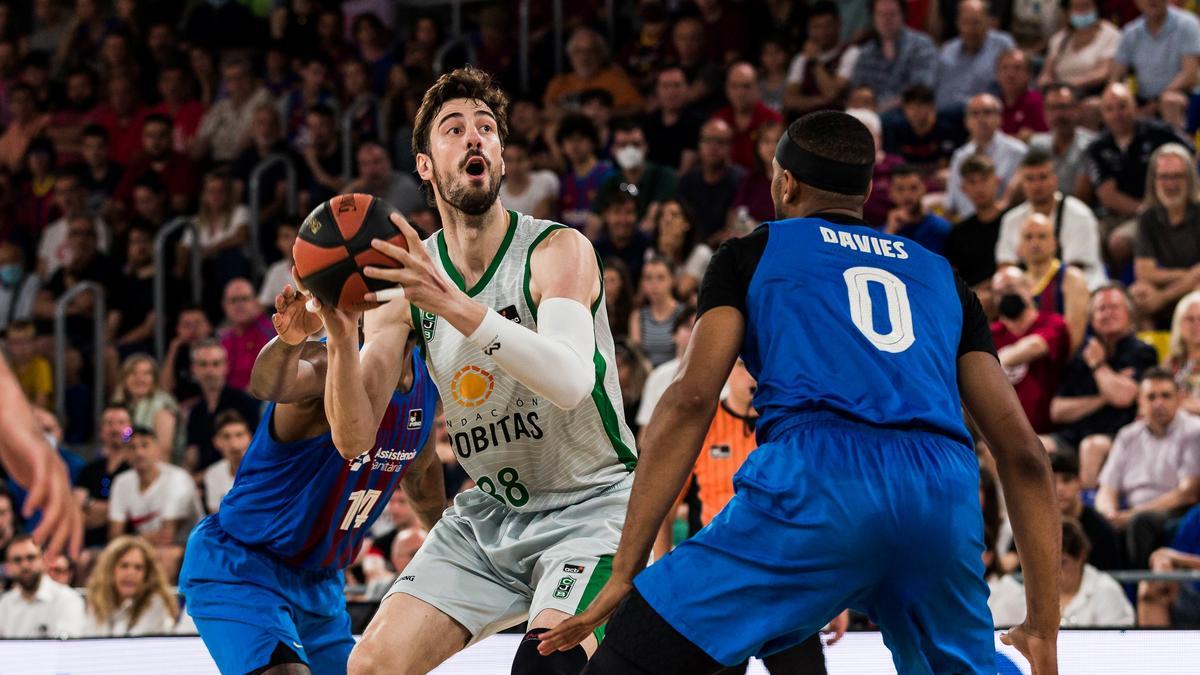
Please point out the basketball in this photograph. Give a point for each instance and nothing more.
(334, 245)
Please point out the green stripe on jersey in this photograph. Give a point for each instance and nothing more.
(600, 576)
(604, 406)
(452, 271)
(608, 415)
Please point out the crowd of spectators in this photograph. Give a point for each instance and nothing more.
(1045, 149)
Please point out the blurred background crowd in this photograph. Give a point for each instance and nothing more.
(157, 157)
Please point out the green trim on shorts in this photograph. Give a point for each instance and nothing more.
(600, 577)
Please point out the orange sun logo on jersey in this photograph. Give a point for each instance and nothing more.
(472, 386)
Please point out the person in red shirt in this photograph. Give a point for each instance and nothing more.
(746, 113)
(178, 103)
(122, 115)
(249, 330)
(1024, 110)
(1033, 346)
(174, 169)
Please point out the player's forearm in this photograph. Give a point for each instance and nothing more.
(1118, 390)
(425, 486)
(1182, 496)
(1026, 349)
(1029, 492)
(276, 370)
(347, 404)
(1116, 201)
(1107, 501)
(673, 440)
(556, 361)
(1068, 409)
(1148, 271)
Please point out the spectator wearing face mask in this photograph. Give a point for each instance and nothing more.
(650, 184)
(18, 290)
(1081, 54)
(1033, 346)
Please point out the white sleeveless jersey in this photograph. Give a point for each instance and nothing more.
(516, 445)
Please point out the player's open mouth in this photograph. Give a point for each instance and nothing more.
(476, 166)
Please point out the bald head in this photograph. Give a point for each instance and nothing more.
(1038, 244)
(983, 119)
(716, 137)
(1011, 280)
(405, 546)
(973, 24)
(1118, 108)
(741, 87)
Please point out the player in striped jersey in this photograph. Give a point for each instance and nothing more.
(262, 577)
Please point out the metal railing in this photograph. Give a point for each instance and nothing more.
(160, 277)
(99, 325)
(348, 130)
(253, 185)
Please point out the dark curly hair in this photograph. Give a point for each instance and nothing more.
(469, 83)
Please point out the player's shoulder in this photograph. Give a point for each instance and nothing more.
(746, 247)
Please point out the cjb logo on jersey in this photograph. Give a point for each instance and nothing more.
(480, 426)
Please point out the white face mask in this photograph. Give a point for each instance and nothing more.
(630, 157)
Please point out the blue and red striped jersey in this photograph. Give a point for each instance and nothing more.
(308, 506)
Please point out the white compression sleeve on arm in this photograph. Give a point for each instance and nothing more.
(556, 361)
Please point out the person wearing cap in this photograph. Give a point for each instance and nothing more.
(865, 347)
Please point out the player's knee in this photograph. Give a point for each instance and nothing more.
(367, 657)
(529, 661)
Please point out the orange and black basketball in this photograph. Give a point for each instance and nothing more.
(335, 245)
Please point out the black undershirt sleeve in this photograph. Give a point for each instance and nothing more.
(976, 331)
(727, 279)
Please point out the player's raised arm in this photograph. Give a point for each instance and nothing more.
(668, 453)
(424, 484)
(289, 369)
(359, 382)
(556, 360)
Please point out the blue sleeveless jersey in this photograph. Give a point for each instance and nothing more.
(307, 505)
(843, 319)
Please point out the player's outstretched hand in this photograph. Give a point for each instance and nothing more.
(337, 322)
(1040, 650)
(837, 628)
(35, 465)
(574, 630)
(292, 322)
(417, 277)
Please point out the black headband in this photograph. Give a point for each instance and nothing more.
(821, 172)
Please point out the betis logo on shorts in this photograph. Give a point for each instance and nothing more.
(564, 588)
(428, 323)
(472, 386)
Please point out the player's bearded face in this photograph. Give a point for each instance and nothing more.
(471, 184)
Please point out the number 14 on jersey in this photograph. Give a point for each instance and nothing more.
(361, 503)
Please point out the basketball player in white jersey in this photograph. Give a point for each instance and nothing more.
(512, 323)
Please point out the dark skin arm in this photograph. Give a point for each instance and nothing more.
(290, 371)
(290, 368)
(424, 486)
(1025, 476)
(673, 439)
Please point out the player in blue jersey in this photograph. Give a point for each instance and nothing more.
(262, 577)
(863, 492)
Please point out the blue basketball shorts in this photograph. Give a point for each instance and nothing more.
(246, 603)
(833, 514)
